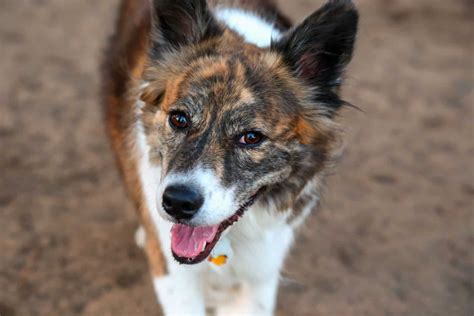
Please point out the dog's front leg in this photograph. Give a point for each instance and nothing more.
(180, 292)
(254, 299)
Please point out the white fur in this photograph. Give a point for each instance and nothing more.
(180, 292)
(260, 242)
(253, 28)
(247, 284)
(140, 237)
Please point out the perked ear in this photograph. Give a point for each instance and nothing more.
(319, 49)
(177, 23)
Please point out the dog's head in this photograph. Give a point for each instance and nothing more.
(227, 120)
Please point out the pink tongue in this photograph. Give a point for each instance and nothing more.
(188, 242)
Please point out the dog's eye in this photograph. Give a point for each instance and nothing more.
(251, 139)
(179, 120)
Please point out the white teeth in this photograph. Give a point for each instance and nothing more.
(204, 246)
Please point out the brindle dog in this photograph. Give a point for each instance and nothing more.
(222, 119)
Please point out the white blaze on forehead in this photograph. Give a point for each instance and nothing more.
(219, 201)
(253, 28)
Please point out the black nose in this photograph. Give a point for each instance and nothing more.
(182, 202)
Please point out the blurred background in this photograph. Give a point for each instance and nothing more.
(394, 235)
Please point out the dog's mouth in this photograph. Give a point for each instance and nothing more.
(192, 245)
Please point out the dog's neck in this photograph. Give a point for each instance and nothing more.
(253, 28)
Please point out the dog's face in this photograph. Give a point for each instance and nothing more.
(227, 121)
(225, 127)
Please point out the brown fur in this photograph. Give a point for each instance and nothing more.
(126, 58)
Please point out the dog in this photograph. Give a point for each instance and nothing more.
(222, 118)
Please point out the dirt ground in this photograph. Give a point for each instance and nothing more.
(395, 233)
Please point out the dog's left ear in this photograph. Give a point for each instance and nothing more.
(319, 49)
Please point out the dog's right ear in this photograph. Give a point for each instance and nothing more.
(319, 49)
(177, 23)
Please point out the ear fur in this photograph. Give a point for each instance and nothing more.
(319, 49)
(178, 23)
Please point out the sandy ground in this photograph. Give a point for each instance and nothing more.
(394, 235)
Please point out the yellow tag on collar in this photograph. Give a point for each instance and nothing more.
(219, 260)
